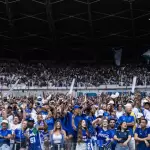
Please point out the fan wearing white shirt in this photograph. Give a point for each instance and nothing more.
(13, 126)
(147, 112)
(119, 111)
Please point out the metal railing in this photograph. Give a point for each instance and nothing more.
(64, 146)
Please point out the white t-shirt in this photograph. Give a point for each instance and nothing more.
(13, 126)
(119, 114)
(136, 111)
(147, 116)
(99, 113)
(10, 119)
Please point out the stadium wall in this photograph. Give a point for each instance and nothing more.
(24, 90)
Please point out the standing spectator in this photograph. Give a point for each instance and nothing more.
(83, 136)
(19, 137)
(32, 136)
(5, 136)
(129, 119)
(119, 111)
(122, 136)
(57, 137)
(142, 136)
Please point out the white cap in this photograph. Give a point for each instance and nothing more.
(100, 113)
(144, 101)
(139, 115)
(39, 97)
(111, 102)
(4, 121)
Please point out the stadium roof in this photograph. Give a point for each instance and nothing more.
(49, 24)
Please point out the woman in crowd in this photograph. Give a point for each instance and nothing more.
(50, 121)
(119, 111)
(57, 137)
(19, 137)
(104, 135)
(83, 136)
(142, 136)
(108, 111)
(122, 136)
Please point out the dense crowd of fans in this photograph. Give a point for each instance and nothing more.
(59, 122)
(54, 75)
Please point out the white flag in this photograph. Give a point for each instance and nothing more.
(71, 87)
(117, 56)
(133, 84)
(11, 89)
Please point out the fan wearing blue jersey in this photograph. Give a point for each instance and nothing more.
(90, 111)
(50, 121)
(129, 119)
(33, 137)
(122, 136)
(142, 136)
(83, 137)
(42, 128)
(112, 128)
(76, 118)
(5, 136)
(104, 135)
(19, 136)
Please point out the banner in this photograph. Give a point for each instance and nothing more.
(117, 56)
(146, 55)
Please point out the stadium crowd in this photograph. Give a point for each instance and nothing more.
(58, 121)
(53, 75)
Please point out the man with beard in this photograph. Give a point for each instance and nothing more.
(112, 129)
(32, 135)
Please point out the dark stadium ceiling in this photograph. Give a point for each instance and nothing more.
(45, 24)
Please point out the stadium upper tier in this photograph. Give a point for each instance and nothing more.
(53, 75)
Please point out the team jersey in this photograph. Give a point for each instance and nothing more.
(5, 133)
(127, 119)
(50, 123)
(19, 135)
(142, 134)
(102, 135)
(123, 135)
(41, 132)
(84, 136)
(106, 114)
(34, 139)
(113, 145)
(89, 120)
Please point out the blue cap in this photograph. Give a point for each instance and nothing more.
(76, 107)
(30, 120)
